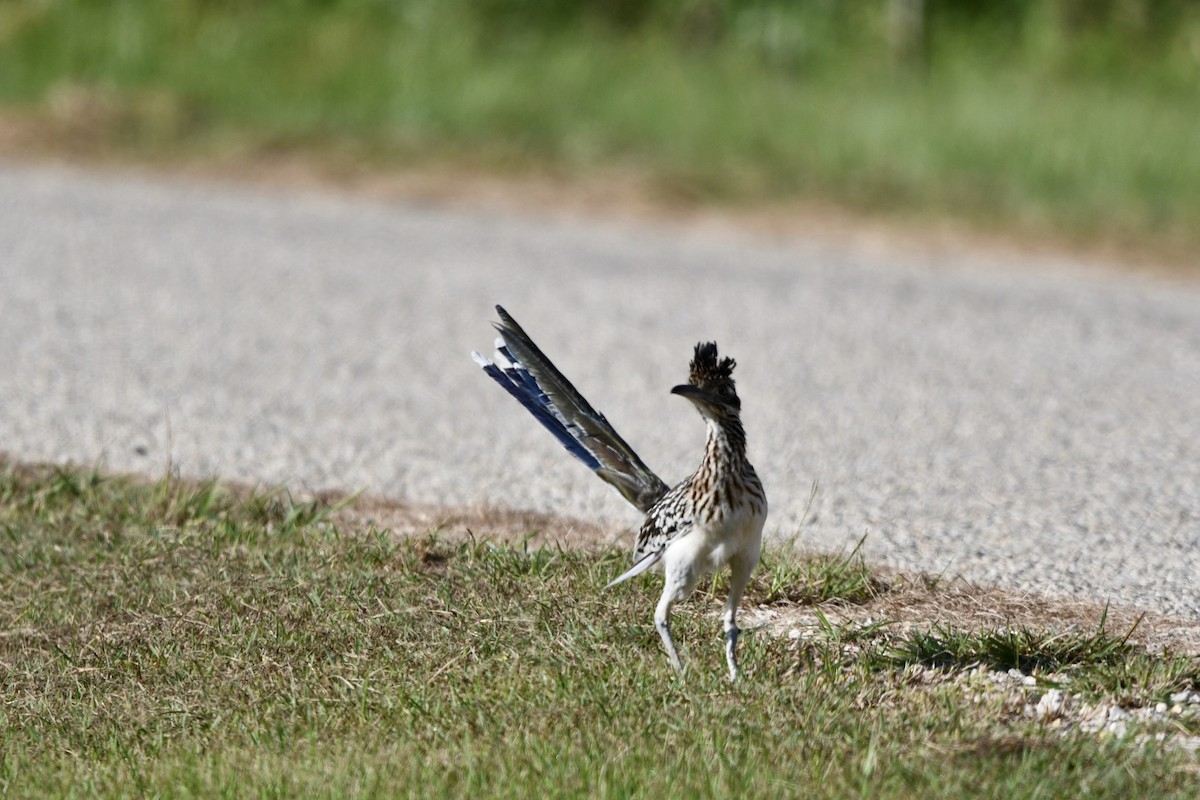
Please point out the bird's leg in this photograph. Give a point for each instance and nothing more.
(731, 638)
(740, 569)
(662, 621)
(680, 580)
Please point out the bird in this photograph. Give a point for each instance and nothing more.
(710, 519)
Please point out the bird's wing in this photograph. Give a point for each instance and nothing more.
(666, 521)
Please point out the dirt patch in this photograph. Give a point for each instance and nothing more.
(626, 196)
(83, 127)
(912, 601)
(499, 524)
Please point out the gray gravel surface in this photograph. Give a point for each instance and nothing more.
(1035, 425)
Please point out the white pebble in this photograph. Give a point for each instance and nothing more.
(1051, 705)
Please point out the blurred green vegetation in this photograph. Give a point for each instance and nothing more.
(1076, 117)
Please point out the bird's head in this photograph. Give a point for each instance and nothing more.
(710, 383)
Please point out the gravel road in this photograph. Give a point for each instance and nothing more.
(1033, 425)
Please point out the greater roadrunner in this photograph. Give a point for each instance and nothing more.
(712, 518)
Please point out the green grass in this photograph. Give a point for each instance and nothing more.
(761, 103)
(814, 579)
(178, 639)
(1095, 663)
(1020, 649)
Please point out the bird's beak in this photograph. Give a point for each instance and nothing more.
(696, 395)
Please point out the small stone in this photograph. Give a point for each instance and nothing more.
(795, 633)
(1175, 709)
(1160, 708)
(1029, 680)
(1051, 705)
(1016, 674)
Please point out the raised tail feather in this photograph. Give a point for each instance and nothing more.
(525, 373)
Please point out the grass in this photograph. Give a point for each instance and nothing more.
(775, 103)
(816, 579)
(1096, 663)
(1019, 649)
(170, 638)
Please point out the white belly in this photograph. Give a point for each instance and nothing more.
(710, 546)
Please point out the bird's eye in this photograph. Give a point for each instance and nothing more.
(727, 390)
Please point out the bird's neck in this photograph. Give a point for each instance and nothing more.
(725, 447)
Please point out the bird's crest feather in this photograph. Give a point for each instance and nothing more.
(705, 368)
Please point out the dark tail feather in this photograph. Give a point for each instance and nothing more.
(518, 389)
(530, 377)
